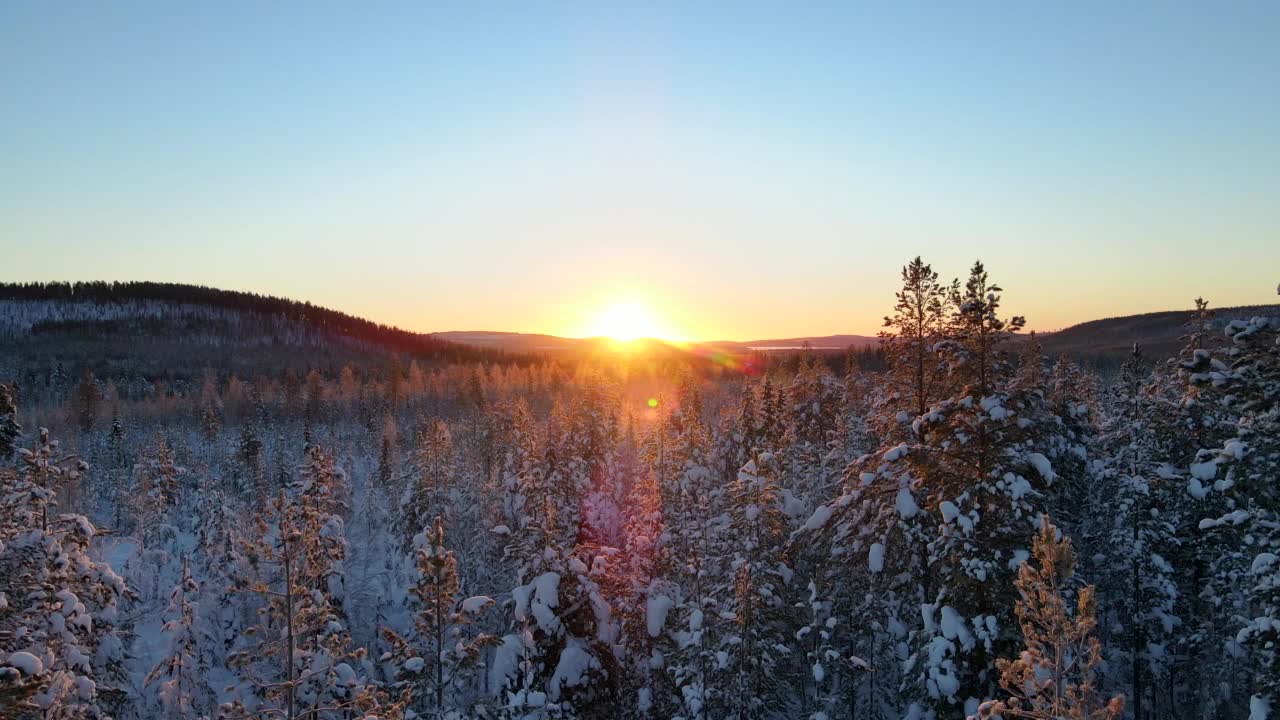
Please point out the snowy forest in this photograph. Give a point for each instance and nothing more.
(964, 528)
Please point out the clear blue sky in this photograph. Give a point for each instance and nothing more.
(745, 171)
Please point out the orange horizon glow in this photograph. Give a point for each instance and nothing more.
(627, 321)
(624, 317)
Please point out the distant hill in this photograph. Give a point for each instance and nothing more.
(1108, 341)
(174, 332)
(1099, 343)
(512, 341)
(817, 342)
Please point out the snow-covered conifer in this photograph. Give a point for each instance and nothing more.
(1055, 677)
(1143, 513)
(1242, 472)
(966, 487)
(430, 477)
(156, 484)
(179, 679)
(297, 661)
(59, 651)
(918, 323)
(436, 663)
(759, 663)
(557, 662)
(10, 429)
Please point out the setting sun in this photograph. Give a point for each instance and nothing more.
(626, 321)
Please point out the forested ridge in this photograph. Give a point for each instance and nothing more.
(974, 529)
(321, 319)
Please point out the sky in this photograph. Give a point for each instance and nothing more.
(734, 170)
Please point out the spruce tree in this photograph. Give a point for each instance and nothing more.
(759, 672)
(1243, 471)
(431, 475)
(210, 409)
(87, 398)
(1202, 419)
(1072, 398)
(740, 436)
(691, 503)
(180, 675)
(1143, 508)
(254, 475)
(773, 422)
(62, 656)
(557, 662)
(158, 490)
(10, 429)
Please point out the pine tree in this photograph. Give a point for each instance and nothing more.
(955, 505)
(912, 332)
(643, 599)
(445, 649)
(872, 547)
(304, 665)
(1054, 677)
